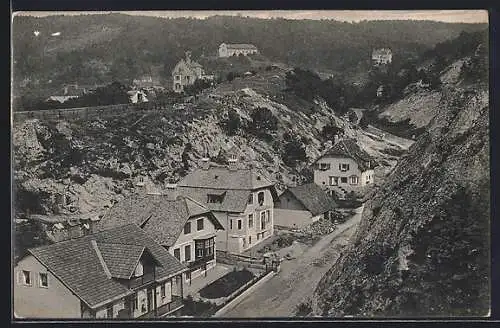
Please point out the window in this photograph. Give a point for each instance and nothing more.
(260, 198)
(250, 220)
(187, 228)
(239, 224)
(162, 291)
(343, 179)
(204, 247)
(334, 181)
(324, 166)
(263, 220)
(199, 224)
(250, 199)
(230, 224)
(268, 216)
(135, 303)
(215, 198)
(109, 311)
(43, 280)
(354, 179)
(258, 236)
(177, 253)
(187, 253)
(177, 77)
(343, 167)
(26, 276)
(249, 240)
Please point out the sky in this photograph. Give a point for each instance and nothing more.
(451, 16)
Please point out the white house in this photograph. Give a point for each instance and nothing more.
(228, 50)
(241, 198)
(137, 96)
(302, 205)
(344, 168)
(185, 72)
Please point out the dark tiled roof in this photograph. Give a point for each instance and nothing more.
(314, 199)
(349, 148)
(233, 200)
(226, 179)
(76, 263)
(162, 218)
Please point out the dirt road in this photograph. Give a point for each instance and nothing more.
(297, 278)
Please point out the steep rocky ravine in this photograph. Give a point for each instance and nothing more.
(422, 247)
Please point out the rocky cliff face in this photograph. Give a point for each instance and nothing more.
(97, 162)
(422, 247)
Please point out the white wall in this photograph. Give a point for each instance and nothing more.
(322, 178)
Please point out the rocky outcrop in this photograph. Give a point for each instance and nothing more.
(422, 247)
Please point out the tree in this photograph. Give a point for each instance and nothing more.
(293, 153)
(263, 121)
(233, 122)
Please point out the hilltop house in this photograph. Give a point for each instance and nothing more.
(186, 72)
(344, 168)
(300, 206)
(382, 56)
(228, 50)
(116, 273)
(181, 225)
(242, 199)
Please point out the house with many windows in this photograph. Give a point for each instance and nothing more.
(183, 226)
(228, 49)
(382, 56)
(116, 273)
(344, 168)
(241, 198)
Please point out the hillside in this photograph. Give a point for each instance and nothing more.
(85, 48)
(422, 248)
(98, 161)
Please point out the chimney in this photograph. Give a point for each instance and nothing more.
(188, 56)
(172, 192)
(205, 163)
(65, 90)
(232, 164)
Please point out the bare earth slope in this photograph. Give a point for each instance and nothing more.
(422, 247)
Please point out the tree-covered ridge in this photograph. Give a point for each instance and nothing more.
(103, 48)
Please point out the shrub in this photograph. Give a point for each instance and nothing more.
(233, 123)
(293, 153)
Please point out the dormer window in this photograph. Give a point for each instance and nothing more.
(212, 198)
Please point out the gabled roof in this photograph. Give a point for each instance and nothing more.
(314, 199)
(226, 179)
(77, 263)
(232, 201)
(381, 52)
(349, 148)
(160, 217)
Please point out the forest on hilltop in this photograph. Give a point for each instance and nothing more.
(117, 47)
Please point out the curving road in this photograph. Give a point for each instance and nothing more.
(297, 278)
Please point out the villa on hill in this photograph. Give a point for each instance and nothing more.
(228, 50)
(344, 168)
(116, 273)
(382, 56)
(186, 72)
(241, 198)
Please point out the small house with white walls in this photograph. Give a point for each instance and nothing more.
(116, 273)
(382, 56)
(180, 224)
(344, 168)
(302, 205)
(137, 96)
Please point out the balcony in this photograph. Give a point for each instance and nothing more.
(200, 262)
(165, 309)
(141, 281)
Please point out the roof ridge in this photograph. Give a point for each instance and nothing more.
(93, 243)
